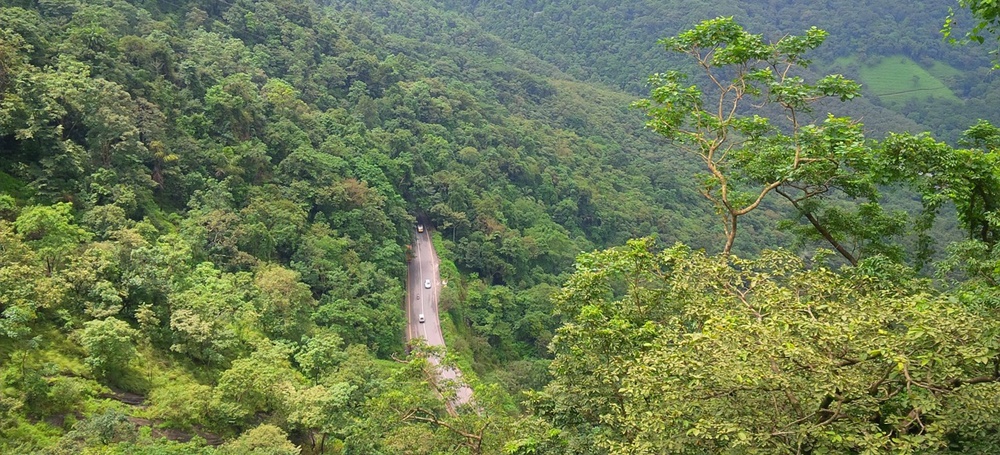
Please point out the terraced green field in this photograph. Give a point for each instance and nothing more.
(898, 79)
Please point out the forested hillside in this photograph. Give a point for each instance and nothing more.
(206, 209)
(613, 43)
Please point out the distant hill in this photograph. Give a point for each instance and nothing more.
(614, 43)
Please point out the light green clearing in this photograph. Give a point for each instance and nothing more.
(943, 71)
(897, 79)
(12, 186)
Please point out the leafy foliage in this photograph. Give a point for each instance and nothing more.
(109, 345)
(206, 210)
(678, 351)
(748, 156)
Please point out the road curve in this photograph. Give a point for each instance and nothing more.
(421, 300)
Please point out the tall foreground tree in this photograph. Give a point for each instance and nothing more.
(678, 352)
(723, 123)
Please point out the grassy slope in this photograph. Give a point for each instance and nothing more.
(897, 79)
(14, 187)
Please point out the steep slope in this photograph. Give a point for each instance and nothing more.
(614, 43)
(208, 204)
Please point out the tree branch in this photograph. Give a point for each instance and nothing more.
(472, 440)
(823, 231)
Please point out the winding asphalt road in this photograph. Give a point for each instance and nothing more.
(421, 300)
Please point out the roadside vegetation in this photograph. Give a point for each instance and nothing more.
(205, 209)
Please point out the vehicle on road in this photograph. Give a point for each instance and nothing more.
(421, 318)
(420, 228)
(427, 284)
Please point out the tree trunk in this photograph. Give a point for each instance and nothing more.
(730, 234)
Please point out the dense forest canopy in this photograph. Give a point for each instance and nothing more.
(206, 209)
(613, 43)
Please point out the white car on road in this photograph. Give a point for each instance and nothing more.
(427, 284)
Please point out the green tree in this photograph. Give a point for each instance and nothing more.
(110, 346)
(235, 106)
(210, 314)
(967, 177)
(25, 288)
(94, 276)
(265, 439)
(320, 354)
(109, 427)
(51, 232)
(320, 259)
(321, 410)
(748, 156)
(181, 404)
(681, 352)
(284, 302)
(260, 383)
(271, 225)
